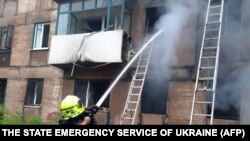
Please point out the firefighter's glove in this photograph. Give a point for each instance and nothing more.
(94, 109)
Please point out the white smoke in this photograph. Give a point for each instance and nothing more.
(174, 21)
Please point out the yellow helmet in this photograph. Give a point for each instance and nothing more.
(71, 107)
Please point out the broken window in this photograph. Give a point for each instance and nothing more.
(91, 91)
(34, 92)
(2, 90)
(41, 36)
(6, 37)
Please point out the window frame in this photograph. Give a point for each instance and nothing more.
(4, 36)
(90, 94)
(110, 5)
(31, 96)
(8, 37)
(40, 47)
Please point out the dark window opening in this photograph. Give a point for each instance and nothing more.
(154, 96)
(153, 14)
(46, 36)
(95, 24)
(6, 35)
(2, 90)
(91, 91)
(4, 32)
(34, 92)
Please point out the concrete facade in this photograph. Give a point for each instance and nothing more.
(22, 63)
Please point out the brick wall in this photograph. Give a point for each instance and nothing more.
(180, 103)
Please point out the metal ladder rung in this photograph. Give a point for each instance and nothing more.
(211, 38)
(134, 94)
(203, 115)
(132, 102)
(136, 87)
(215, 6)
(209, 57)
(206, 78)
(209, 30)
(129, 118)
(140, 73)
(130, 110)
(207, 68)
(213, 22)
(209, 48)
(204, 90)
(214, 14)
(199, 102)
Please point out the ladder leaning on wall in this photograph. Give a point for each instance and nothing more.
(130, 111)
(205, 85)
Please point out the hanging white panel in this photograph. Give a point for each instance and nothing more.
(99, 47)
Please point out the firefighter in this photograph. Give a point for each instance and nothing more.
(74, 113)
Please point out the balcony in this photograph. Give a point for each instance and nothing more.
(96, 47)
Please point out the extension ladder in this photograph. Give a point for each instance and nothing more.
(205, 85)
(130, 110)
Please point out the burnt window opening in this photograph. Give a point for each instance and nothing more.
(232, 17)
(153, 15)
(154, 96)
(6, 36)
(95, 24)
(2, 91)
(91, 24)
(86, 23)
(41, 36)
(91, 91)
(34, 92)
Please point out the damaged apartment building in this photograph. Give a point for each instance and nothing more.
(53, 48)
